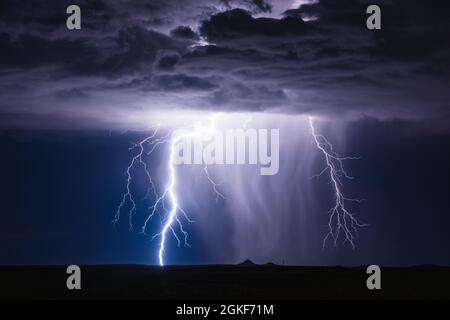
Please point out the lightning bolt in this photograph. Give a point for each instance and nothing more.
(172, 218)
(341, 220)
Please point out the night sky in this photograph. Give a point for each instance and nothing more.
(71, 102)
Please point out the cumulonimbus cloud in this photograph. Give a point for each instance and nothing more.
(133, 57)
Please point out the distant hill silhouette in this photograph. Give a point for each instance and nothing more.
(247, 263)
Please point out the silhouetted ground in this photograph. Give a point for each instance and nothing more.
(245, 281)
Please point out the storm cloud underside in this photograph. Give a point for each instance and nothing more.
(132, 58)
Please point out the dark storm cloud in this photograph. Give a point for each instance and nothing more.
(179, 82)
(130, 50)
(227, 55)
(45, 16)
(31, 51)
(334, 65)
(238, 23)
(184, 32)
(167, 60)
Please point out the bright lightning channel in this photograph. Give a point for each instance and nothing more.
(341, 219)
(145, 148)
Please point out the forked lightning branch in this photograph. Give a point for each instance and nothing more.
(211, 146)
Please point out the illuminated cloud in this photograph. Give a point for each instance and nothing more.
(133, 58)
